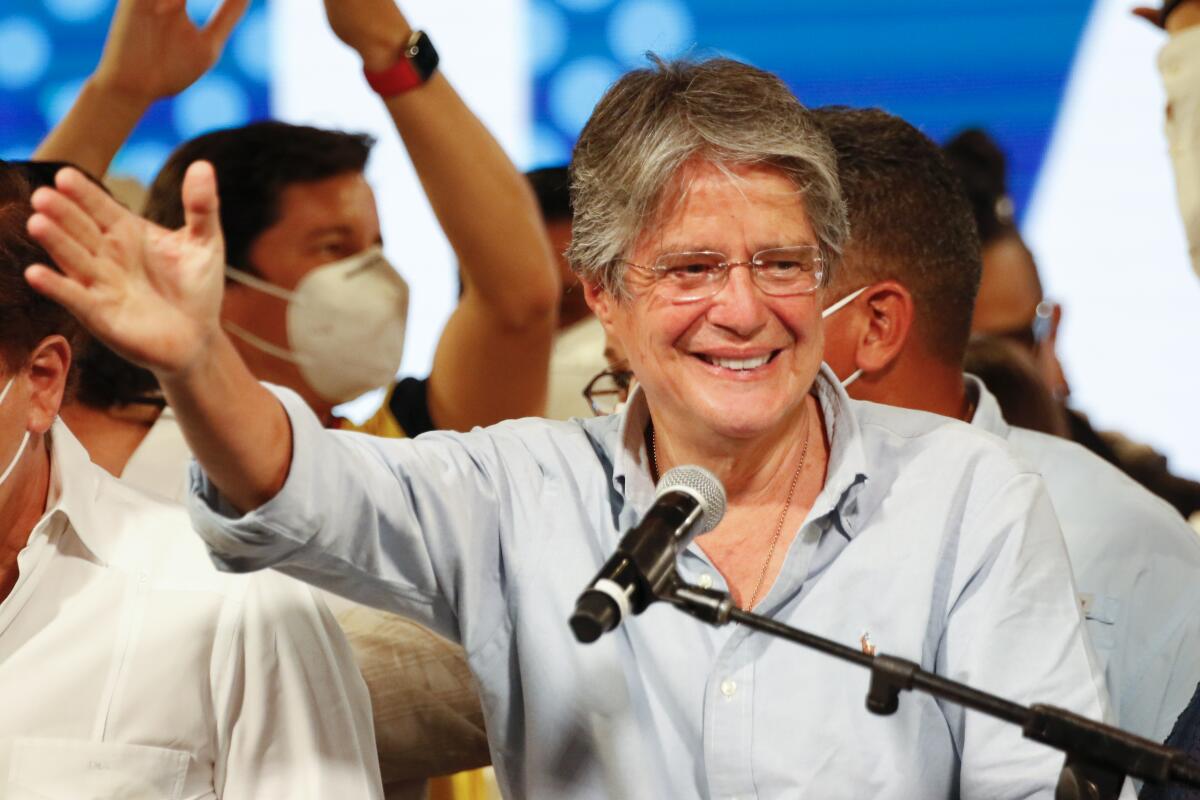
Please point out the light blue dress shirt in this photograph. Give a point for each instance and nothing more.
(1137, 568)
(928, 539)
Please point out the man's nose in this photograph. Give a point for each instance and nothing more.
(739, 307)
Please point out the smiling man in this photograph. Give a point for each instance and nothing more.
(707, 219)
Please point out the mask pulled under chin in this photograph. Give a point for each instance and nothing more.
(345, 324)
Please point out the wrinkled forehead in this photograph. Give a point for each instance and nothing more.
(715, 205)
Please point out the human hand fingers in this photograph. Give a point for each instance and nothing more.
(69, 216)
(201, 208)
(1151, 15)
(223, 21)
(66, 291)
(93, 200)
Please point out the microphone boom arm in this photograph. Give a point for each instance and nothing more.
(1098, 756)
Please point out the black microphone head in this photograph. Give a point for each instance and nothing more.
(701, 484)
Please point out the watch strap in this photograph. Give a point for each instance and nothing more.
(416, 65)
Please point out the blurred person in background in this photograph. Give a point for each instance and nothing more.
(1011, 304)
(313, 305)
(1009, 372)
(1179, 66)
(897, 331)
(129, 666)
(579, 344)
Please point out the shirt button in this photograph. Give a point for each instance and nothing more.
(728, 687)
(705, 581)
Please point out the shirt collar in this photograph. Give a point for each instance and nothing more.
(845, 472)
(988, 415)
(75, 484)
(631, 463)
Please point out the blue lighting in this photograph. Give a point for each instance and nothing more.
(252, 46)
(575, 88)
(215, 101)
(663, 27)
(547, 35)
(80, 10)
(24, 52)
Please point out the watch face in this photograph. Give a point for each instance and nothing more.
(421, 54)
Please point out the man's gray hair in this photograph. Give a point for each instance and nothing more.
(652, 121)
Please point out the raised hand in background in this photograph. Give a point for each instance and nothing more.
(153, 50)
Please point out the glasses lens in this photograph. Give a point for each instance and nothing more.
(688, 276)
(606, 391)
(788, 270)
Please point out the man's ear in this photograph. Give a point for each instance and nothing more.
(48, 369)
(600, 301)
(890, 312)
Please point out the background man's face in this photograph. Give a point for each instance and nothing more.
(1007, 304)
(319, 222)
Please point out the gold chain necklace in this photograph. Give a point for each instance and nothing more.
(762, 575)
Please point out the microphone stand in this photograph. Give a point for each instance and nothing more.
(1098, 756)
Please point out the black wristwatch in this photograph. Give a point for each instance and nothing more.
(416, 65)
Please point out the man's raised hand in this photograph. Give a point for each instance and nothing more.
(154, 49)
(150, 294)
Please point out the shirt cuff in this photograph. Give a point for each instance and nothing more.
(269, 534)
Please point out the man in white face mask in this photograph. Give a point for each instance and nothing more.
(130, 667)
(908, 281)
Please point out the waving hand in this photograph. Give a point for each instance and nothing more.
(152, 295)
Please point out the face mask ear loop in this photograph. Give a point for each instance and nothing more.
(852, 378)
(24, 441)
(840, 304)
(260, 343)
(255, 282)
(15, 459)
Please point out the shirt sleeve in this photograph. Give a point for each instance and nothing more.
(293, 714)
(409, 526)
(1015, 630)
(1179, 65)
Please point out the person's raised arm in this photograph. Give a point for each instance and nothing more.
(154, 296)
(1179, 65)
(492, 360)
(153, 50)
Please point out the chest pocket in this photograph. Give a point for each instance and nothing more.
(66, 769)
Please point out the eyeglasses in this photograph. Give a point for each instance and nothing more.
(779, 271)
(608, 390)
(1037, 331)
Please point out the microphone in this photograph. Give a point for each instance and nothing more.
(688, 501)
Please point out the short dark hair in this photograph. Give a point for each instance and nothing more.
(552, 187)
(254, 164)
(909, 221)
(26, 317)
(981, 166)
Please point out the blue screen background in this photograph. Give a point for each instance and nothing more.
(943, 65)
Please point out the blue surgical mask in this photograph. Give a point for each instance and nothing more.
(20, 450)
(833, 309)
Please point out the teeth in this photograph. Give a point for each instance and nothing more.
(740, 363)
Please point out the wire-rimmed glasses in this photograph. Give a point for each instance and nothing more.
(777, 271)
(607, 390)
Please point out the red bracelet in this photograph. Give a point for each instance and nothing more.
(416, 64)
(396, 79)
